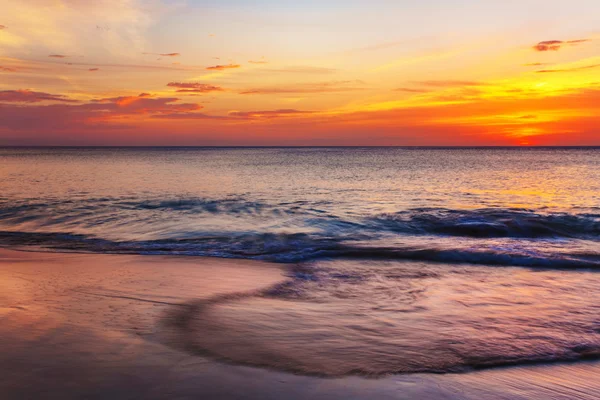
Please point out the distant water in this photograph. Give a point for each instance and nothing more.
(378, 233)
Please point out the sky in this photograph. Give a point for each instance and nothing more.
(281, 72)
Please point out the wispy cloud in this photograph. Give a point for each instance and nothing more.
(2, 27)
(29, 96)
(164, 54)
(223, 67)
(547, 71)
(268, 114)
(191, 116)
(94, 69)
(448, 83)
(7, 69)
(303, 70)
(57, 56)
(412, 90)
(194, 87)
(555, 45)
(320, 87)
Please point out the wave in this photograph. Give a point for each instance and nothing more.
(149, 214)
(293, 248)
(490, 222)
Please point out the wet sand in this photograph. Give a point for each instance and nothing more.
(75, 326)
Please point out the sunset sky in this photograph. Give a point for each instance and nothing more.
(282, 72)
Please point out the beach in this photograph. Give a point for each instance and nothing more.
(92, 326)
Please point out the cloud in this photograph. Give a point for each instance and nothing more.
(2, 27)
(547, 71)
(303, 70)
(268, 114)
(7, 69)
(223, 67)
(28, 96)
(191, 116)
(555, 45)
(103, 113)
(143, 103)
(94, 69)
(194, 87)
(412, 90)
(163, 54)
(535, 64)
(57, 56)
(258, 62)
(448, 83)
(320, 87)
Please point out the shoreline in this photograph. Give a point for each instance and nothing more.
(80, 325)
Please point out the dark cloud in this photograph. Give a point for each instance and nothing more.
(547, 71)
(268, 114)
(28, 96)
(194, 87)
(223, 67)
(57, 56)
(555, 45)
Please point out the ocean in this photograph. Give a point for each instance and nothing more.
(400, 260)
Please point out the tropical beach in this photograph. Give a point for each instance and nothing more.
(282, 199)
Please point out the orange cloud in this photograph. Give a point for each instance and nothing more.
(555, 45)
(57, 56)
(144, 103)
(100, 114)
(191, 116)
(194, 87)
(268, 114)
(223, 67)
(94, 69)
(7, 69)
(28, 96)
(2, 27)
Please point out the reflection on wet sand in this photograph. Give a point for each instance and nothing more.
(87, 326)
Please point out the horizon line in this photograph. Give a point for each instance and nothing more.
(307, 146)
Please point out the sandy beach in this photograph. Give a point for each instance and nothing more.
(88, 326)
